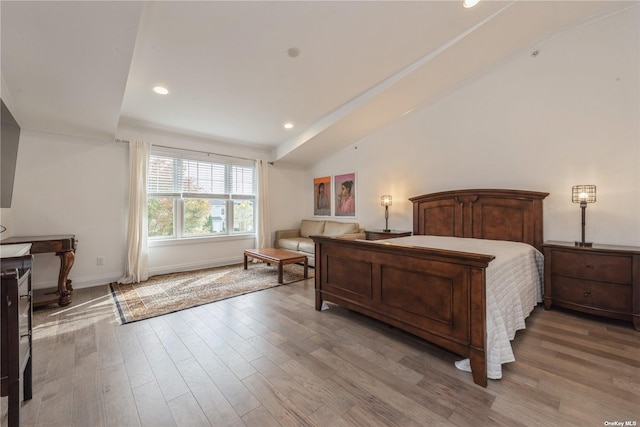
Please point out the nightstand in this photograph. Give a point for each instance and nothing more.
(603, 280)
(381, 234)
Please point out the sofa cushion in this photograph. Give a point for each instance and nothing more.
(334, 228)
(291, 243)
(311, 228)
(307, 246)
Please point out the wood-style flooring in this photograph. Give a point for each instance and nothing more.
(269, 359)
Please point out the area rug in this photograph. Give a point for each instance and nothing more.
(178, 291)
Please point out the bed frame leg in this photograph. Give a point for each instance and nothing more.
(478, 367)
(318, 300)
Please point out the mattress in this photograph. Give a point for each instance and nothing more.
(514, 286)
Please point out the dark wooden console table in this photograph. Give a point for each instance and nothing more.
(64, 246)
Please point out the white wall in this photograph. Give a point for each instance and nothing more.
(6, 220)
(71, 185)
(67, 185)
(165, 257)
(288, 188)
(568, 116)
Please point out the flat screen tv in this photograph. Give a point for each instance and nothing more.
(9, 136)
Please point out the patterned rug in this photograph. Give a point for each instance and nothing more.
(174, 292)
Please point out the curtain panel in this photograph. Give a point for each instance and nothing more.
(137, 233)
(263, 239)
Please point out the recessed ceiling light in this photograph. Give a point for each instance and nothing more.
(293, 52)
(288, 125)
(470, 3)
(161, 90)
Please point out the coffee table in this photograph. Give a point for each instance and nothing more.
(280, 257)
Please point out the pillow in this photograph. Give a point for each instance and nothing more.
(311, 228)
(334, 228)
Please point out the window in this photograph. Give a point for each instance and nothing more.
(195, 197)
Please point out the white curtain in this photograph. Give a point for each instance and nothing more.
(264, 232)
(137, 247)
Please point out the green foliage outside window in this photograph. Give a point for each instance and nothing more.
(243, 215)
(197, 217)
(160, 217)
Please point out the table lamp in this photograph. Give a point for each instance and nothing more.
(583, 194)
(386, 201)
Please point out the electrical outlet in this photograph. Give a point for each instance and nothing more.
(100, 260)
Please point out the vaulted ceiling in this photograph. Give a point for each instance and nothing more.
(88, 68)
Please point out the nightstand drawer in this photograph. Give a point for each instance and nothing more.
(592, 294)
(598, 267)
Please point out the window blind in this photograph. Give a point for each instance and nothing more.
(163, 173)
(176, 177)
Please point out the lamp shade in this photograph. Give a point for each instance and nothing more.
(583, 194)
(386, 200)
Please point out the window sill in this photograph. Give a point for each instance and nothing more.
(201, 240)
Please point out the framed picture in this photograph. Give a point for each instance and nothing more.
(322, 196)
(345, 198)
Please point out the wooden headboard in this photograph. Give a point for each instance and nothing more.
(513, 215)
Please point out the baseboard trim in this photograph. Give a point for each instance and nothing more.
(176, 268)
(104, 279)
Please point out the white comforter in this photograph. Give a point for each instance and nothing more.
(514, 287)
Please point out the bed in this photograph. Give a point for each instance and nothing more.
(440, 283)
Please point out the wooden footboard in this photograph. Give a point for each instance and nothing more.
(435, 294)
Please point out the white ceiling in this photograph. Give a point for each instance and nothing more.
(87, 68)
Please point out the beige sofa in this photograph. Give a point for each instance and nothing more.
(298, 240)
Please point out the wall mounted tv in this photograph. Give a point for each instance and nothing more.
(9, 138)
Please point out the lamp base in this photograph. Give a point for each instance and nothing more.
(386, 231)
(584, 244)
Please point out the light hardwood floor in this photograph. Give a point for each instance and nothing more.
(269, 359)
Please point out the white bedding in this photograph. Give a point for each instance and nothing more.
(514, 287)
